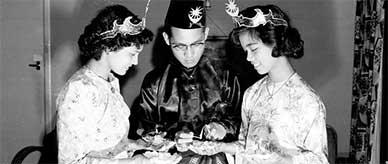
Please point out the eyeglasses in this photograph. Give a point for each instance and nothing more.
(184, 47)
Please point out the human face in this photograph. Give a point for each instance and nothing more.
(187, 44)
(258, 53)
(119, 61)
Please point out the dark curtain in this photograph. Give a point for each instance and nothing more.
(367, 82)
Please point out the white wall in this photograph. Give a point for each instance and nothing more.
(22, 109)
(327, 27)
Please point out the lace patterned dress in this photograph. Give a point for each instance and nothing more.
(282, 119)
(92, 116)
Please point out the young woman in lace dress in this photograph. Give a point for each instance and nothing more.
(283, 118)
(92, 118)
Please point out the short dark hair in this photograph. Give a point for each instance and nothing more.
(91, 44)
(286, 39)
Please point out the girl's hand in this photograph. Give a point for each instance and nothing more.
(231, 148)
(214, 131)
(183, 140)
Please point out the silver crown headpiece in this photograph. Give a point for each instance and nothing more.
(127, 27)
(259, 19)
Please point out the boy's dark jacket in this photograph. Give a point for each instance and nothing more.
(174, 98)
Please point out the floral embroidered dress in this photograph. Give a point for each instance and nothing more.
(92, 116)
(282, 119)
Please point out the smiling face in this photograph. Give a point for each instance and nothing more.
(119, 61)
(187, 44)
(258, 53)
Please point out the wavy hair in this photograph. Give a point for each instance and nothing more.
(91, 44)
(286, 39)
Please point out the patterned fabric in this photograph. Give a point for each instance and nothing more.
(92, 116)
(367, 75)
(282, 119)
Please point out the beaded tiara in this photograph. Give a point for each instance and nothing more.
(259, 19)
(127, 27)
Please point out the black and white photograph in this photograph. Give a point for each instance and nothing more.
(193, 82)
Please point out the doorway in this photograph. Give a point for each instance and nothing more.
(23, 73)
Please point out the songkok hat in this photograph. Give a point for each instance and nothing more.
(186, 14)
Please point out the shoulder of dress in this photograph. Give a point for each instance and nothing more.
(81, 84)
(306, 90)
(259, 83)
(254, 87)
(313, 101)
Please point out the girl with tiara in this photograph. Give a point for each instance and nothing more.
(92, 118)
(283, 118)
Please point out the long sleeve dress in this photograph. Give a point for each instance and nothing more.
(91, 116)
(288, 122)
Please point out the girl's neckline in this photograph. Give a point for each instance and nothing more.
(107, 79)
